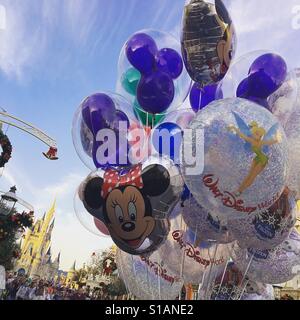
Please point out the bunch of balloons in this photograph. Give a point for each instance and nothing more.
(194, 162)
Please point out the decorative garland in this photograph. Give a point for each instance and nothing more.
(6, 149)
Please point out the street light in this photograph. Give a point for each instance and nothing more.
(9, 200)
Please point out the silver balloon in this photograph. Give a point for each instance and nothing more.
(187, 256)
(203, 224)
(285, 105)
(274, 266)
(245, 159)
(258, 291)
(148, 278)
(267, 229)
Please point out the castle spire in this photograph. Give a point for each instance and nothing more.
(49, 216)
(73, 268)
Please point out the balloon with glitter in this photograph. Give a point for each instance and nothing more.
(203, 224)
(185, 254)
(273, 266)
(285, 105)
(245, 163)
(269, 228)
(147, 277)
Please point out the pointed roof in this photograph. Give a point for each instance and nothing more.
(49, 252)
(73, 268)
(49, 216)
(52, 224)
(58, 258)
(48, 261)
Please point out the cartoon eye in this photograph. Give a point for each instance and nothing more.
(132, 211)
(119, 213)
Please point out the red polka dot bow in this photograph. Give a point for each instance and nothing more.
(114, 179)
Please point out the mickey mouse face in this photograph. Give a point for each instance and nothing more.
(126, 202)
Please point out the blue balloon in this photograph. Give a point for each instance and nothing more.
(169, 61)
(141, 50)
(156, 92)
(201, 97)
(167, 139)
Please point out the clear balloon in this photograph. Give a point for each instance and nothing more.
(208, 41)
(134, 204)
(269, 228)
(164, 83)
(111, 116)
(186, 257)
(245, 150)
(274, 266)
(147, 277)
(285, 105)
(203, 224)
(243, 82)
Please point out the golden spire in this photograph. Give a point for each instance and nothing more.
(49, 216)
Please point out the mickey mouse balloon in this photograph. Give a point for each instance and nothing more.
(245, 165)
(134, 204)
(208, 41)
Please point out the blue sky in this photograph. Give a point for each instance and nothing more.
(53, 53)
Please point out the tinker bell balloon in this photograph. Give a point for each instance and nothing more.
(257, 141)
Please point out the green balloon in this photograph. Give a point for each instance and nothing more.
(147, 119)
(130, 80)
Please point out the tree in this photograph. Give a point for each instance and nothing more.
(12, 224)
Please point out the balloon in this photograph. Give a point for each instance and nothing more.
(208, 41)
(134, 204)
(98, 111)
(169, 61)
(100, 131)
(146, 118)
(239, 82)
(203, 224)
(156, 92)
(269, 228)
(184, 257)
(130, 80)
(232, 284)
(167, 139)
(285, 105)
(274, 266)
(201, 97)
(147, 277)
(239, 178)
(272, 67)
(140, 51)
(166, 69)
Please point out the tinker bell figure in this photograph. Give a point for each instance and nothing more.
(257, 141)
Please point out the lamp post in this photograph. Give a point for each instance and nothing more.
(9, 200)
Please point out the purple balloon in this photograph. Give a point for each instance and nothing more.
(98, 112)
(141, 50)
(156, 92)
(271, 65)
(119, 116)
(169, 61)
(201, 97)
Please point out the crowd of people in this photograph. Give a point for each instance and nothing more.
(20, 287)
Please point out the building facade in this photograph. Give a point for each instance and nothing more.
(36, 257)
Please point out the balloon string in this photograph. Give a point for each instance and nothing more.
(210, 269)
(222, 279)
(245, 274)
(244, 289)
(159, 289)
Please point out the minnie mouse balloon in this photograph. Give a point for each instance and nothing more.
(245, 163)
(147, 277)
(274, 266)
(269, 228)
(204, 224)
(134, 204)
(208, 41)
(185, 255)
